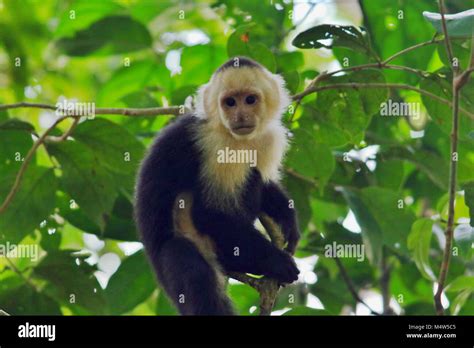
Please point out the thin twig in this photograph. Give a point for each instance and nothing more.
(378, 66)
(355, 85)
(447, 43)
(20, 273)
(411, 48)
(351, 287)
(132, 112)
(26, 162)
(456, 87)
(385, 286)
(452, 193)
(66, 134)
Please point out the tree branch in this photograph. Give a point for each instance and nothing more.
(411, 48)
(355, 85)
(447, 43)
(385, 286)
(457, 84)
(20, 273)
(26, 162)
(132, 112)
(351, 287)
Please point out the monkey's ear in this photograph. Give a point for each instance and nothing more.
(202, 110)
(284, 97)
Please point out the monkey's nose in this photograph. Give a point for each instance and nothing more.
(242, 118)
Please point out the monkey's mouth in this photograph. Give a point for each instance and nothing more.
(243, 129)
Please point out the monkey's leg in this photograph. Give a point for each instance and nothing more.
(242, 248)
(276, 204)
(190, 281)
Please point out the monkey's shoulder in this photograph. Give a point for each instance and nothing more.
(178, 134)
(173, 152)
(177, 140)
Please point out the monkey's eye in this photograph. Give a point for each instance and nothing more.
(230, 101)
(251, 99)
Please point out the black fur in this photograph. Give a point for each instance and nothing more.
(171, 167)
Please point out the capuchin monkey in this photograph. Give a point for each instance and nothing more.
(196, 212)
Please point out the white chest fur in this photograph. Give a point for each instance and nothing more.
(227, 161)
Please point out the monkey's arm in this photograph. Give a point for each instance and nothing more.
(242, 248)
(276, 204)
(168, 169)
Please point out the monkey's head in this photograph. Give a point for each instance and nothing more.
(243, 97)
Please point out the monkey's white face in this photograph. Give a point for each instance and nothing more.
(240, 110)
(244, 100)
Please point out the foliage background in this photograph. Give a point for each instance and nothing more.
(75, 201)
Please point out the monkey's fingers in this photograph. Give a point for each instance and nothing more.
(291, 245)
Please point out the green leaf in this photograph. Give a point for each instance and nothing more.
(457, 24)
(396, 25)
(372, 234)
(132, 284)
(440, 84)
(128, 80)
(390, 174)
(110, 35)
(329, 36)
(394, 222)
(461, 283)
(342, 115)
(194, 72)
(117, 148)
(243, 297)
(292, 79)
(381, 221)
(330, 287)
(263, 55)
(50, 235)
(460, 50)
(459, 302)
(419, 242)
(71, 281)
(289, 61)
(429, 162)
(82, 14)
(469, 199)
(164, 306)
(181, 93)
(14, 145)
(300, 192)
(15, 124)
(119, 225)
(25, 300)
(33, 202)
(85, 179)
(309, 158)
(242, 43)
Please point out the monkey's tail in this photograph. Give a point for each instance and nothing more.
(189, 280)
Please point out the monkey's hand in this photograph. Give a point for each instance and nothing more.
(280, 266)
(292, 236)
